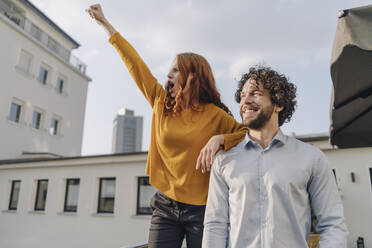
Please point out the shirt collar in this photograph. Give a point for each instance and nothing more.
(278, 138)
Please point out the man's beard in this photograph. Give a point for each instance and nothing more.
(262, 118)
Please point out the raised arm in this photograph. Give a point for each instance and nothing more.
(141, 74)
(327, 206)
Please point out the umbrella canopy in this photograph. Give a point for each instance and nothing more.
(351, 72)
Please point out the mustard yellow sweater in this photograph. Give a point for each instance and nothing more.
(176, 141)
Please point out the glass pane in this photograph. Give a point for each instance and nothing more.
(14, 195)
(42, 189)
(36, 32)
(72, 194)
(107, 195)
(52, 44)
(43, 75)
(53, 127)
(36, 120)
(15, 112)
(145, 194)
(59, 85)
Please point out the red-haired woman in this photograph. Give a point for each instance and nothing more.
(186, 115)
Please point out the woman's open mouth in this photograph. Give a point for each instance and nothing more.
(170, 86)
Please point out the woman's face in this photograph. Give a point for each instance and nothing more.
(174, 78)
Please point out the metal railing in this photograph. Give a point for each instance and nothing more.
(15, 15)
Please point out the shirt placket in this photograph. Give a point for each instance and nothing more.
(263, 203)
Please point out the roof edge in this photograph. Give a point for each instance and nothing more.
(49, 21)
(45, 159)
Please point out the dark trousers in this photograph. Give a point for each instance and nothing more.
(172, 220)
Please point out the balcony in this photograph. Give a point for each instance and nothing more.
(17, 16)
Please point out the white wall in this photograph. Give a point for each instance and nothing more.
(86, 228)
(357, 197)
(13, 83)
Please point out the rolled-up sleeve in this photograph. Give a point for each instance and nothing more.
(327, 206)
(216, 221)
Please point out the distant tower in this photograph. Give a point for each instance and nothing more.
(127, 134)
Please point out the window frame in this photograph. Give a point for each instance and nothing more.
(40, 112)
(19, 111)
(60, 90)
(24, 54)
(37, 195)
(65, 209)
(99, 196)
(138, 212)
(57, 130)
(12, 194)
(44, 80)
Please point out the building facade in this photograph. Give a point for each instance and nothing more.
(43, 87)
(127, 132)
(104, 201)
(95, 201)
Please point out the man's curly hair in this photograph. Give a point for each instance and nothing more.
(282, 92)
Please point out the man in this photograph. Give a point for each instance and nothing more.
(262, 190)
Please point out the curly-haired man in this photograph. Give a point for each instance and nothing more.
(262, 190)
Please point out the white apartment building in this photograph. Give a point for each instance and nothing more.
(43, 87)
(103, 201)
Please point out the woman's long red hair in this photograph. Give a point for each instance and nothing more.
(199, 87)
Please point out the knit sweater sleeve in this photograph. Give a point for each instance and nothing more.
(234, 132)
(141, 74)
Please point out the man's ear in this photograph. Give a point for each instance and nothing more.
(278, 108)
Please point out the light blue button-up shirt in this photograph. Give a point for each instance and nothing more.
(263, 197)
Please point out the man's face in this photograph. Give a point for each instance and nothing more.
(256, 107)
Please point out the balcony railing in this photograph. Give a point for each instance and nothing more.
(15, 15)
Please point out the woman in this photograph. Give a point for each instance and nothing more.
(186, 115)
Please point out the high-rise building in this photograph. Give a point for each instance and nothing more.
(43, 87)
(127, 134)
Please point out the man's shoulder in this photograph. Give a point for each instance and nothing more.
(231, 153)
(303, 147)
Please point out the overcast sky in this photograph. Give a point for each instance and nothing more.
(293, 37)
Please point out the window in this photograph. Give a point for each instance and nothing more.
(60, 84)
(54, 125)
(36, 119)
(41, 195)
(43, 75)
(35, 32)
(15, 112)
(52, 44)
(72, 195)
(14, 195)
(25, 61)
(145, 192)
(106, 195)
